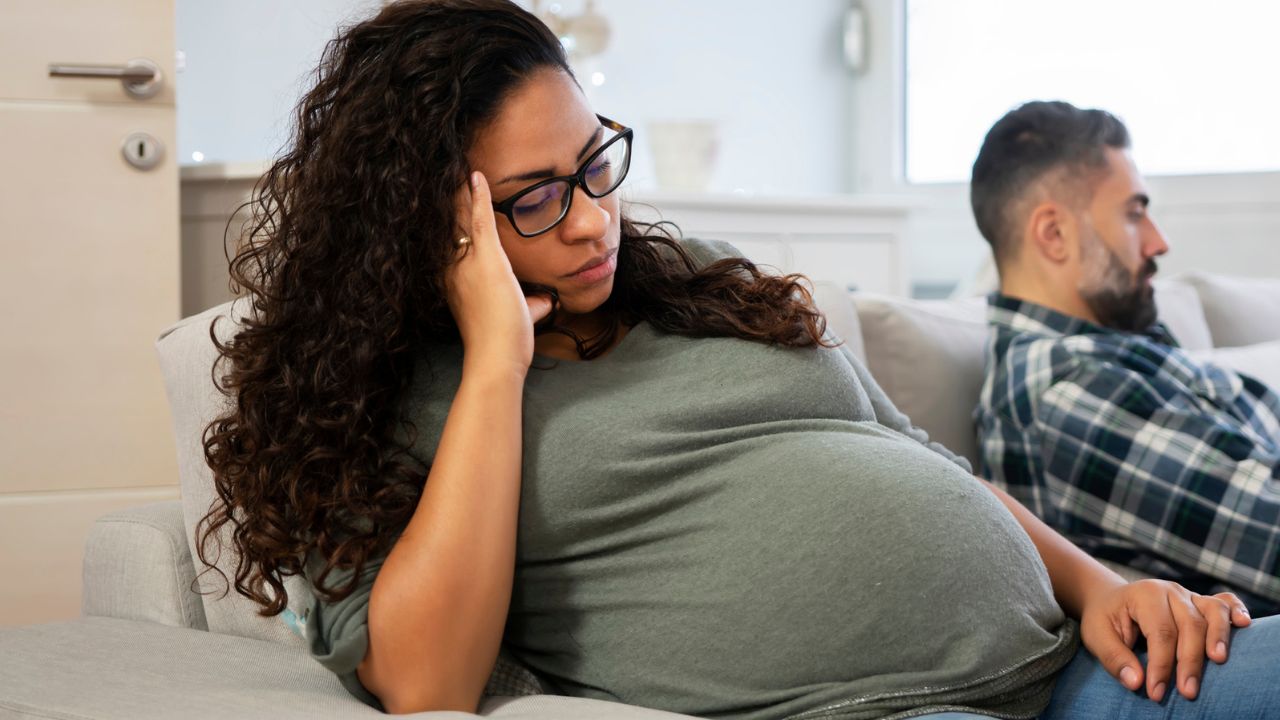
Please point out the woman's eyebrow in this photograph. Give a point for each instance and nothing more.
(550, 172)
(590, 141)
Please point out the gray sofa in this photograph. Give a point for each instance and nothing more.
(148, 647)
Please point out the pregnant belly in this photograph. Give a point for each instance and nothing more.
(794, 560)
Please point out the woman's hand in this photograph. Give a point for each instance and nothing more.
(1181, 628)
(493, 314)
(1177, 623)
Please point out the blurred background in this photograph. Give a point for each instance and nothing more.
(831, 137)
(822, 98)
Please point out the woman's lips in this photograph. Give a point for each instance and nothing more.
(598, 271)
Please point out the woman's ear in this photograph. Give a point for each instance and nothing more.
(1052, 229)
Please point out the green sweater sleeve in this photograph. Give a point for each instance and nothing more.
(337, 633)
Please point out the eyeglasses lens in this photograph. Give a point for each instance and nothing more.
(541, 208)
(607, 169)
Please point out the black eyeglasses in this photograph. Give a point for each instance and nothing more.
(540, 207)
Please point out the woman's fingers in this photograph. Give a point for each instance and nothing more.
(1155, 619)
(1115, 654)
(1217, 612)
(1193, 635)
(462, 208)
(539, 306)
(494, 317)
(484, 230)
(1181, 629)
(1239, 613)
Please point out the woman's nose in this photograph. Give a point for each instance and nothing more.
(587, 219)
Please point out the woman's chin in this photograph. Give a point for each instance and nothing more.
(586, 300)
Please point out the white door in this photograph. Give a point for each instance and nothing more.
(88, 278)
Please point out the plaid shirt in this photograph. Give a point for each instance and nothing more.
(1133, 450)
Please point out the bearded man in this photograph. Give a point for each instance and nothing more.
(1090, 414)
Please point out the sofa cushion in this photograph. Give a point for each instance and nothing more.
(1240, 311)
(1178, 304)
(186, 359)
(110, 668)
(842, 318)
(1261, 361)
(927, 355)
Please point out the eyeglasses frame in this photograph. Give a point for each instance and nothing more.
(576, 180)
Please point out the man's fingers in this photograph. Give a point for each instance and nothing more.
(1156, 622)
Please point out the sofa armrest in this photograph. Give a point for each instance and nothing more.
(137, 566)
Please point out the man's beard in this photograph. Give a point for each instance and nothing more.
(1120, 300)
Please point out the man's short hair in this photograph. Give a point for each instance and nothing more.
(1023, 147)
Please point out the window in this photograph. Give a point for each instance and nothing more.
(1194, 81)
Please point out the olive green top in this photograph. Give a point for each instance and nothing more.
(727, 529)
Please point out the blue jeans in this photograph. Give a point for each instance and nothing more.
(1247, 687)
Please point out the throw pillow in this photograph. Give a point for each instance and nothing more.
(1240, 311)
(927, 355)
(1179, 309)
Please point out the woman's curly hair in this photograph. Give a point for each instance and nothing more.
(343, 263)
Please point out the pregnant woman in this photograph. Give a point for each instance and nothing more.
(481, 410)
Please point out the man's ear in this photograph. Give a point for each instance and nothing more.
(1050, 228)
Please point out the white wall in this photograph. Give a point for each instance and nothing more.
(771, 75)
(247, 61)
(793, 120)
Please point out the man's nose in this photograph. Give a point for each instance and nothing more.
(1155, 244)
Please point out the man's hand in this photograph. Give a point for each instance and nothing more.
(1181, 628)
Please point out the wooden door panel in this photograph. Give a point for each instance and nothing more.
(90, 279)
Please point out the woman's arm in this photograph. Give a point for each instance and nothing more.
(1178, 625)
(439, 603)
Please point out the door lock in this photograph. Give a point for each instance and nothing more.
(142, 151)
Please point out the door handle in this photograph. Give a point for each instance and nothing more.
(140, 77)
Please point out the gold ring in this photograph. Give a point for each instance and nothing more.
(464, 241)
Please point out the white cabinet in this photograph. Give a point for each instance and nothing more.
(853, 242)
